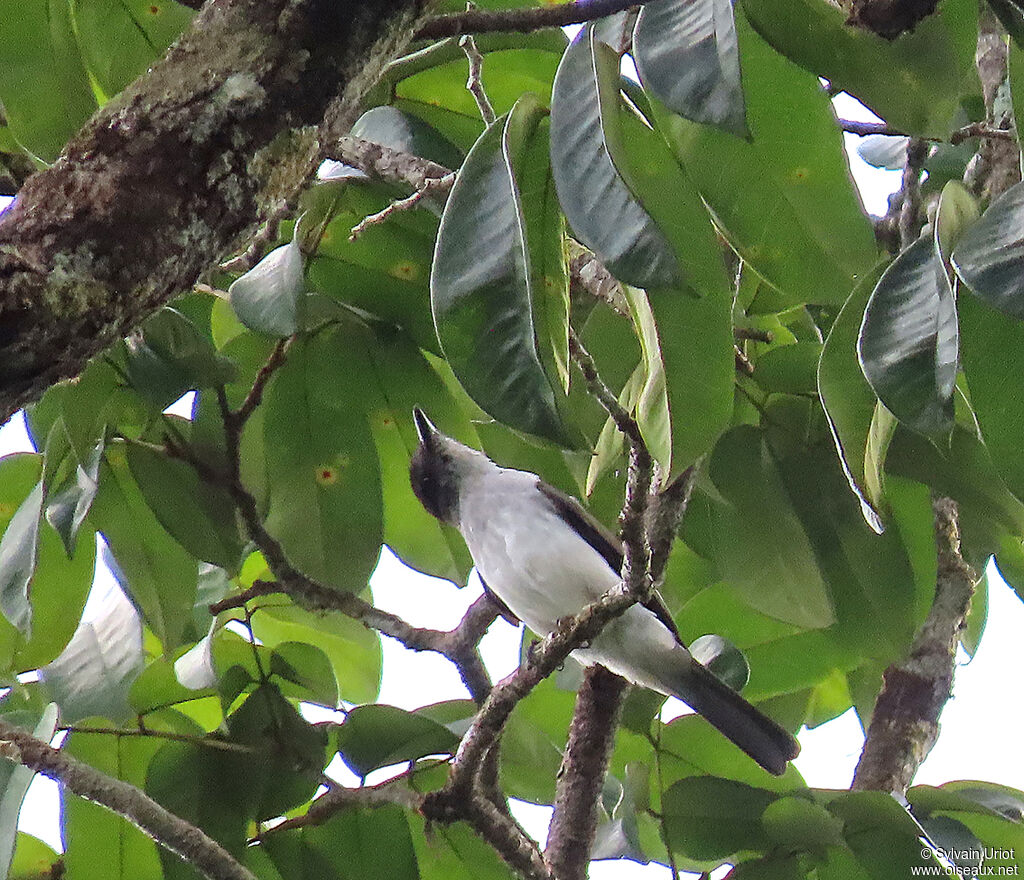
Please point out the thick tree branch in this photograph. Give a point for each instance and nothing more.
(905, 723)
(174, 170)
(480, 21)
(590, 746)
(175, 834)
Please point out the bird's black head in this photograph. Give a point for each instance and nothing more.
(433, 471)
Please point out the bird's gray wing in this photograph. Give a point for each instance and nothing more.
(598, 536)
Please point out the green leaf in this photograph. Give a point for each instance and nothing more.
(482, 287)
(991, 362)
(761, 548)
(291, 768)
(94, 673)
(710, 819)
(368, 844)
(601, 210)
(687, 55)
(89, 829)
(796, 823)
(989, 256)
(391, 127)
(120, 39)
(377, 736)
(152, 567)
(847, 398)
(354, 650)
(33, 859)
(170, 356)
(908, 345)
(723, 658)
(45, 90)
(785, 204)
(386, 270)
(197, 514)
(267, 298)
(323, 477)
(18, 555)
(14, 782)
(883, 835)
(914, 82)
(957, 212)
(68, 504)
(306, 666)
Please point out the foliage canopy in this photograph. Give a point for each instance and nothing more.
(824, 389)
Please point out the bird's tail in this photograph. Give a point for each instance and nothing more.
(758, 735)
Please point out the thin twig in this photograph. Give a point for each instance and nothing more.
(170, 831)
(205, 741)
(623, 420)
(982, 130)
(853, 126)
(480, 21)
(910, 209)
(474, 83)
(432, 185)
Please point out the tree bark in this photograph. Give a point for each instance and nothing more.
(177, 168)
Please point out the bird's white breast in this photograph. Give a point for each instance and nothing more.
(528, 555)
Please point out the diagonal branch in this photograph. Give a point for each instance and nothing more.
(178, 167)
(905, 723)
(171, 832)
(480, 21)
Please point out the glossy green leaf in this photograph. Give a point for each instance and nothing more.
(377, 735)
(846, 396)
(14, 782)
(482, 288)
(154, 570)
(18, 555)
(602, 211)
(914, 82)
(908, 344)
(309, 668)
(709, 818)
(45, 91)
(687, 55)
(323, 478)
(94, 673)
(371, 844)
(385, 272)
(268, 298)
(723, 658)
(992, 363)
(68, 504)
(391, 127)
(957, 212)
(785, 204)
(196, 513)
(121, 39)
(988, 258)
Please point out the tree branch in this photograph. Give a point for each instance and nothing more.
(905, 723)
(171, 832)
(591, 742)
(178, 167)
(480, 21)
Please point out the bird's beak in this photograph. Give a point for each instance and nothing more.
(424, 427)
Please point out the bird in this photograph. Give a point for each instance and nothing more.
(544, 557)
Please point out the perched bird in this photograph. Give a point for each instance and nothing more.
(544, 557)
